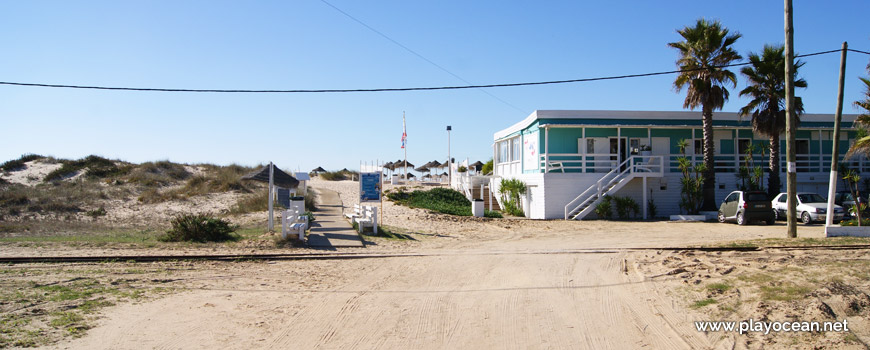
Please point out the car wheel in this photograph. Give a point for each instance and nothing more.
(771, 220)
(740, 219)
(721, 216)
(806, 219)
(775, 215)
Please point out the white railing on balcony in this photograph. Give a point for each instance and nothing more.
(605, 162)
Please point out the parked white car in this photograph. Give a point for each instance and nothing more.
(810, 207)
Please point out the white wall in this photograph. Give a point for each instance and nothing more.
(548, 193)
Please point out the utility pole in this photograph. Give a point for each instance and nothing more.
(271, 196)
(790, 127)
(449, 163)
(835, 156)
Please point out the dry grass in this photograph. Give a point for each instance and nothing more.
(215, 179)
(157, 174)
(41, 305)
(16, 164)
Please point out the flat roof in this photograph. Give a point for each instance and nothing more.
(652, 118)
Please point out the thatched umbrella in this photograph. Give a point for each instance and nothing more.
(478, 166)
(389, 166)
(277, 178)
(318, 170)
(402, 164)
(422, 169)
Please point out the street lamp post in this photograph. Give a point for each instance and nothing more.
(449, 163)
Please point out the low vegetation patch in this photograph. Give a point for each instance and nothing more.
(51, 198)
(155, 174)
(796, 242)
(854, 222)
(387, 232)
(511, 191)
(339, 175)
(17, 164)
(442, 200)
(97, 167)
(199, 228)
(803, 285)
(214, 180)
(626, 208)
(42, 305)
(701, 303)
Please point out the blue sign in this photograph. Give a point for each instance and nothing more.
(369, 187)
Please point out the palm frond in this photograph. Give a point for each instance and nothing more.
(860, 146)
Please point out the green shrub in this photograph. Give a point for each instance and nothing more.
(626, 207)
(442, 200)
(487, 168)
(604, 208)
(854, 222)
(651, 209)
(492, 214)
(101, 211)
(16, 164)
(512, 208)
(199, 228)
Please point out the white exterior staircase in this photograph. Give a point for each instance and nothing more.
(622, 174)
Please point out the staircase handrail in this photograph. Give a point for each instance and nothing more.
(598, 184)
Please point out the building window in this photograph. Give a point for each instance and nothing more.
(699, 146)
(590, 146)
(502, 152)
(515, 150)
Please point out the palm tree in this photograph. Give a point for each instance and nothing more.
(766, 88)
(703, 55)
(862, 144)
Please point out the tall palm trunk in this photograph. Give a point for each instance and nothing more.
(773, 184)
(709, 161)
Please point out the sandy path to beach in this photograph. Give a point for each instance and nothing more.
(473, 300)
(478, 284)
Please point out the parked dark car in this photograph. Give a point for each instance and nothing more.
(845, 200)
(745, 206)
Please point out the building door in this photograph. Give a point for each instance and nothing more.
(618, 151)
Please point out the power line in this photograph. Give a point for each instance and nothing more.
(458, 87)
(859, 51)
(417, 54)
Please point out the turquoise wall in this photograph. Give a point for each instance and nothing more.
(564, 140)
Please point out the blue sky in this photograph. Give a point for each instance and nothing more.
(305, 44)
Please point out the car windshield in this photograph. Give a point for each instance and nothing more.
(811, 198)
(756, 197)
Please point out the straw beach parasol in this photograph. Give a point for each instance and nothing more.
(478, 166)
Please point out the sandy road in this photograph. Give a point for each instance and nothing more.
(583, 301)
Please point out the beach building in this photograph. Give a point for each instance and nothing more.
(568, 159)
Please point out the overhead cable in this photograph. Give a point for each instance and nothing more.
(457, 87)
